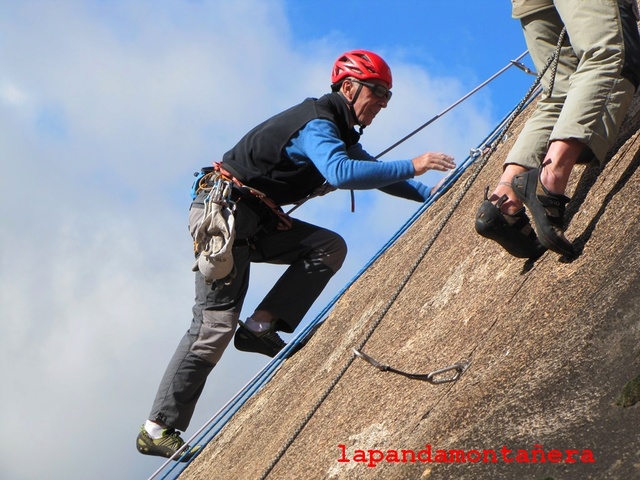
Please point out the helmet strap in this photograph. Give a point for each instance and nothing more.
(353, 110)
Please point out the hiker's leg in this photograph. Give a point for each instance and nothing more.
(314, 255)
(215, 317)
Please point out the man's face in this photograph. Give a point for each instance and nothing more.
(368, 103)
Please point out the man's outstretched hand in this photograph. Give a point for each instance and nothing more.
(433, 161)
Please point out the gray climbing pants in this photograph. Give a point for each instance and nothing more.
(313, 255)
(597, 74)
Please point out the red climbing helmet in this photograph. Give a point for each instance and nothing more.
(360, 64)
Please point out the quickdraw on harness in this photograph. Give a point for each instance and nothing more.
(214, 236)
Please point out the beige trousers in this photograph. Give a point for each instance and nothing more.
(589, 97)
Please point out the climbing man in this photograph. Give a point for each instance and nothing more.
(300, 153)
(576, 119)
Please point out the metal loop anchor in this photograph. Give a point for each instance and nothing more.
(523, 67)
(434, 377)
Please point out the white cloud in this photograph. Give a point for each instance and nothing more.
(12, 95)
(106, 109)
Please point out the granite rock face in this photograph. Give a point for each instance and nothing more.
(554, 345)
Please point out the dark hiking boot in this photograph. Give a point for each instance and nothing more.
(511, 232)
(547, 210)
(267, 343)
(165, 446)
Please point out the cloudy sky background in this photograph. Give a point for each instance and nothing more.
(106, 110)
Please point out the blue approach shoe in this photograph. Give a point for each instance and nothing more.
(547, 210)
(511, 232)
(267, 343)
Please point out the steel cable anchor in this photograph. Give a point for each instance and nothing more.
(432, 377)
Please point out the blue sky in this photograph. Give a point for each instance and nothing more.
(106, 110)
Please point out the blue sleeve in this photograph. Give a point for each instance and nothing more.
(319, 142)
(410, 189)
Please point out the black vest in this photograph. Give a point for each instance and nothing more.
(259, 159)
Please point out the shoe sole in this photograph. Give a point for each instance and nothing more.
(490, 224)
(245, 341)
(151, 450)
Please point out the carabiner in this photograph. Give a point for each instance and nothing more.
(459, 368)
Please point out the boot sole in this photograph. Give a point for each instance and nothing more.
(245, 341)
(490, 224)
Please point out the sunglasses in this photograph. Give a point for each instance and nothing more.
(378, 90)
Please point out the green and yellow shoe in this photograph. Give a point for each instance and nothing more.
(165, 446)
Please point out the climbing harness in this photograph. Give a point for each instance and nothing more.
(214, 236)
(284, 220)
(434, 377)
